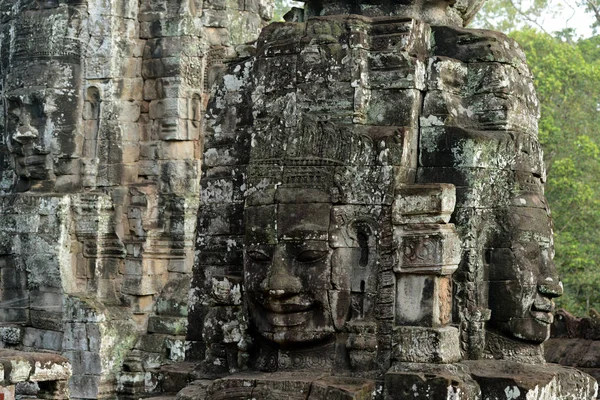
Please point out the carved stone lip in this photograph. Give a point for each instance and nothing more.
(282, 302)
(287, 320)
(542, 316)
(284, 313)
(541, 309)
(285, 307)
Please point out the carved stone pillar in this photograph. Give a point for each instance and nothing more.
(428, 252)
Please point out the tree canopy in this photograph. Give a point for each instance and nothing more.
(511, 15)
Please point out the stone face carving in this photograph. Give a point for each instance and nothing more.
(434, 12)
(523, 279)
(307, 261)
(378, 181)
(42, 101)
(372, 220)
(99, 175)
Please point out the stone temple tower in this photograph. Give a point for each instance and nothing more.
(99, 177)
(372, 220)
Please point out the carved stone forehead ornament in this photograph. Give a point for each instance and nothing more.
(312, 155)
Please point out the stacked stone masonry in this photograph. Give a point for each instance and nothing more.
(99, 177)
(357, 212)
(393, 155)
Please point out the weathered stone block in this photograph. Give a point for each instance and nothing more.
(431, 203)
(342, 388)
(423, 248)
(180, 150)
(423, 300)
(75, 337)
(177, 348)
(121, 110)
(383, 110)
(215, 18)
(49, 301)
(395, 71)
(141, 285)
(139, 304)
(425, 345)
(221, 250)
(506, 379)
(14, 315)
(168, 108)
(361, 185)
(408, 385)
(85, 362)
(12, 278)
(447, 75)
(43, 339)
(167, 325)
(84, 386)
(153, 343)
(173, 307)
(172, 27)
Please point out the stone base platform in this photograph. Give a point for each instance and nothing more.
(467, 380)
(488, 380)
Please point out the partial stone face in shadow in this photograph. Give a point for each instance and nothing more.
(524, 280)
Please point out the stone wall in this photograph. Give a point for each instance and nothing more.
(444, 104)
(99, 177)
(575, 342)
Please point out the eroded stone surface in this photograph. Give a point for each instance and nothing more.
(374, 185)
(369, 221)
(99, 177)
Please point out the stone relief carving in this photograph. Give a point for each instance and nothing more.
(42, 105)
(391, 188)
(99, 171)
(309, 262)
(372, 220)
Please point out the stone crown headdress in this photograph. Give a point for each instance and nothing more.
(312, 155)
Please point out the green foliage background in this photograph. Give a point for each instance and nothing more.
(567, 79)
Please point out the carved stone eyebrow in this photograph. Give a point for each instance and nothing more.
(306, 231)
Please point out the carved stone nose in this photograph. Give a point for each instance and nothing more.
(280, 281)
(551, 287)
(281, 284)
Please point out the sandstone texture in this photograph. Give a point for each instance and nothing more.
(372, 207)
(100, 153)
(347, 206)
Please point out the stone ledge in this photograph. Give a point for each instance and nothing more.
(18, 366)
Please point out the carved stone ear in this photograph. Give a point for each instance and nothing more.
(363, 279)
(339, 303)
(363, 234)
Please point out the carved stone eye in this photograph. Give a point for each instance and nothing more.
(258, 256)
(307, 256)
